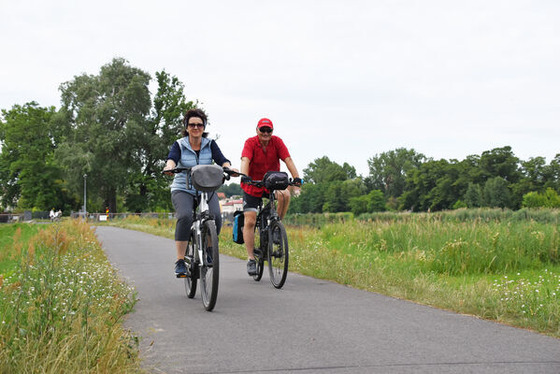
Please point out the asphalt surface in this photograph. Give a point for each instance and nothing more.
(309, 326)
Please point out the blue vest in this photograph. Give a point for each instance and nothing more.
(189, 158)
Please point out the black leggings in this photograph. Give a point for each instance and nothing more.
(183, 203)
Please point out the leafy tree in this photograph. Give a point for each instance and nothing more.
(323, 170)
(376, 201)
(496, 193)
(553, 174)
(473, 196)
(232, 189)
(389, 170)
(108, 117)
(149, 189)
(359, 205)
(29, 176)
(334, 200)
(310, 200)
(351, 188)
(450, 186)
(500, 162)
(547, 199)
(422, 185)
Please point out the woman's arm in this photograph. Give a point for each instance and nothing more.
(218, 156)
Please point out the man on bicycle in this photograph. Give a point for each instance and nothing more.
(262, 153)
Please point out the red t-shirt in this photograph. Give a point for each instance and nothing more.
(261, 160)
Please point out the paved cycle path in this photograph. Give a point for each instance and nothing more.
(309, 326)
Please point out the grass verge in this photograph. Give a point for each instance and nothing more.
(61, 303)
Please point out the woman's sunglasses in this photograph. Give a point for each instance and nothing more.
(193, 125)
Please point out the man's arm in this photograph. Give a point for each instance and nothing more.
(291, 167)
(244, 168)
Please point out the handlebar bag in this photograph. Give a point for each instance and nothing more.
(276, 180)
(238, 223)
(207, 178)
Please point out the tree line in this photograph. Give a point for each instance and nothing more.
(112, 136)
(403, 179)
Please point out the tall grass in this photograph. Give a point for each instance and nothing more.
(452, 247)
(61, 306)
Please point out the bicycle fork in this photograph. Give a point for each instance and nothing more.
(197, 229)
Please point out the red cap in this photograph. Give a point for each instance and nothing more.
(265, 122)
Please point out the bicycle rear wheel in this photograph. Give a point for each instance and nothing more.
(192, 269)
(210, 265)
(278, 254)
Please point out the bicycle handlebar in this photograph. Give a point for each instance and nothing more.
(260, 183)
(229, 173)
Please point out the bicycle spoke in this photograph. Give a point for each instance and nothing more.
(210, 269)
(192, 269)
(278, 254)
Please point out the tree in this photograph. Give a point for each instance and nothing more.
(389, 170)
(553, 174)
(108, 115)
(422, 189)
(496, 193)
(547, 199)
(148, 189)
(324, 170)
(473, 196)
(232, 189)
(29, 176)
(500, 162)
(311, 199)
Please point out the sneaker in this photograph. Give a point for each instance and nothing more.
(180, 268)
(252, 267)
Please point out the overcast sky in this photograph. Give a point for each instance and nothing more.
(347, 79)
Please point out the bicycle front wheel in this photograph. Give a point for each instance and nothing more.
(210, 265)
(192, 269)
(259, 253)
(278, 254)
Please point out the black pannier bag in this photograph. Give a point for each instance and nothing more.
(276, 180)
(207, 178)
(238, 223)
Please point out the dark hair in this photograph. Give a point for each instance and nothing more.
(198, 113)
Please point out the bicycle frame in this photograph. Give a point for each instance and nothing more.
(201, 213)
(273, 244)
(272, 216)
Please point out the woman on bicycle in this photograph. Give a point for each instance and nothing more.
(260, 154)
(194, 148)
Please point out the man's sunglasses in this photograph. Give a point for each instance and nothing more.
(265, 130)
(193, 125)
